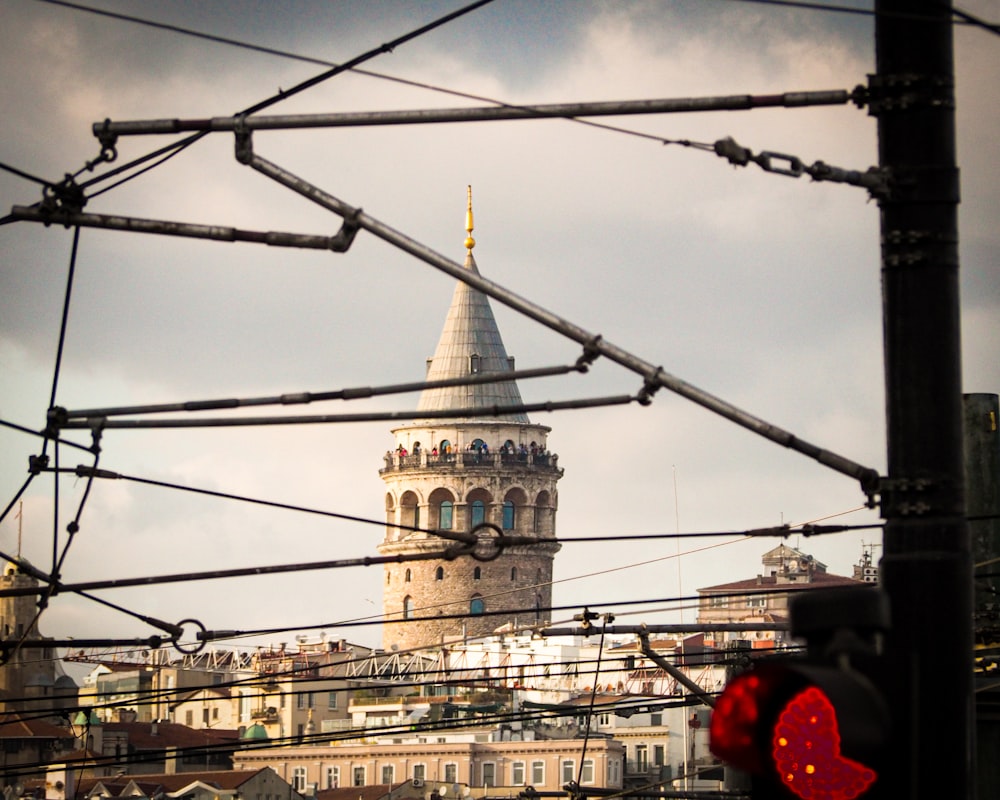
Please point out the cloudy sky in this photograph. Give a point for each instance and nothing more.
(761, 289)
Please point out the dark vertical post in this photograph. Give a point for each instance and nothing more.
(926, 567)
(982, 480)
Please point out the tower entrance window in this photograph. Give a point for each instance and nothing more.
(476, 605)
(407, 607)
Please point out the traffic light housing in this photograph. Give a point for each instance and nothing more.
(814, 728)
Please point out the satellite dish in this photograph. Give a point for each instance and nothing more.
(443, 791)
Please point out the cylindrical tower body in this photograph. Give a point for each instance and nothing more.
(510, 483)
(453, 474)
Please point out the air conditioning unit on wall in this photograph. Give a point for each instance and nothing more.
(417, 783)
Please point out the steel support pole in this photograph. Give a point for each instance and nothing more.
(926, 567)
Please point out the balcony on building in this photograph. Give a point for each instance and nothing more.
(471, 460)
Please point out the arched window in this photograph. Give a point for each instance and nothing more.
(513, 573)
(387, 577)
(476, 605)
(508, 515)
(478, 513)
(439, 574)
(407, 575)
(538, 606)
(409, 510)
(447, 515)
(477, 573)
(407, 607)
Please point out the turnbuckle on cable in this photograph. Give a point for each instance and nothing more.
(873, 179)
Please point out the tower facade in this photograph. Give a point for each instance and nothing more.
(32, 680)
(455, 474)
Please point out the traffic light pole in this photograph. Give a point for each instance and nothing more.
(926, 566)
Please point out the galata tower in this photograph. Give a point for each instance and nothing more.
(453, 474)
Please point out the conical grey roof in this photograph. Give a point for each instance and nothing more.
(470, 343)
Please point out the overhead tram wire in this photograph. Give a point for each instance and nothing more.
(353, 734)
(106, 154)
(335, 69)
(88, 472)
(964, 18)
(352, 393)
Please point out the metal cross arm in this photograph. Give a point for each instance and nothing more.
(106, 130)
(69, 218)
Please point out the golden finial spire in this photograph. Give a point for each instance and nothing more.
(469, 241)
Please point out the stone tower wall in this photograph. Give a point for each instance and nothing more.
(517, 582)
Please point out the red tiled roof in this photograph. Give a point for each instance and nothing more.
(375, 792)
(17, 728)
(769, 583)
(141, 735)
(220, 779)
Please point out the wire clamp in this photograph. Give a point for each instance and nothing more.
(649, 387)
(243, 141)
(586, 619)
(179, 631)
(37, 464)
(489, 542)
(591, 353)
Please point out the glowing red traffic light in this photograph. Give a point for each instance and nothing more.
(806, 751)
(780, 722)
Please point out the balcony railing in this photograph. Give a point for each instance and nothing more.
(538, 461)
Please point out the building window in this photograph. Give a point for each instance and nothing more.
(658, 755)
(474, 363)
(331, 700)
(477, 573)
(614, 772)
(359, 776)
(304, 700)
(451, 773)
(538, 773)
(656, 719)
(489, 774)
(641, 758)
(568, 775)
(333, 777)
(419, 772)
(508, 515)
(388, 773)
(517, 773)
(513, 573)
(407, 576)
(476, 605)
(439, 574)
(299, 779)
(478, 513)
(407, 607)
(446, 514)
(588, 771)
